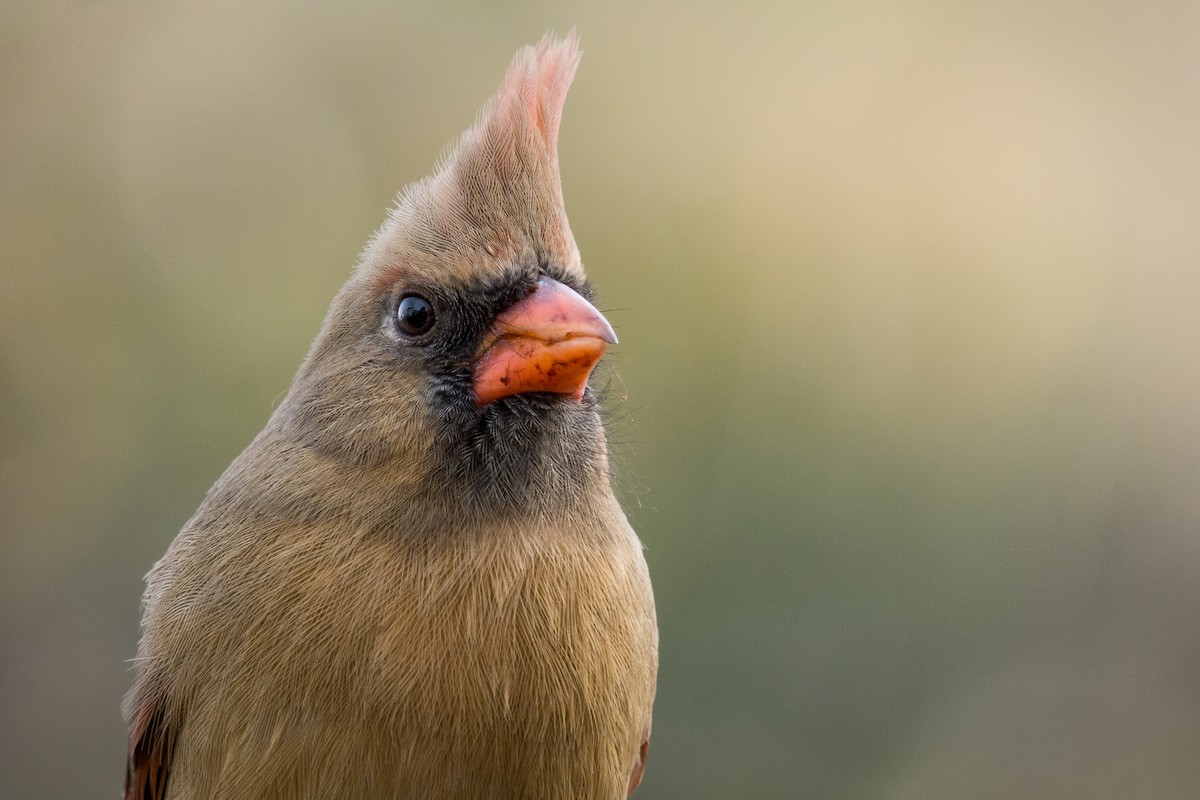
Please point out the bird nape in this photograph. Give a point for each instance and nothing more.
(416, 580)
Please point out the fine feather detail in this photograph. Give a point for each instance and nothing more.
(530, 99)
(151, 748)
(540, 77)
(497, 189)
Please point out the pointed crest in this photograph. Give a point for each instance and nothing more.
(498, 188)
(537, 82)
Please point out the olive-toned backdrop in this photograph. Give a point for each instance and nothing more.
(907, 399)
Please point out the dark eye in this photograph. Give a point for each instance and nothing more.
(414, 315)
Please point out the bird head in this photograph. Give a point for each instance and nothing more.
(461, 347)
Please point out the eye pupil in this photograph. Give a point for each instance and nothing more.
(414, 315)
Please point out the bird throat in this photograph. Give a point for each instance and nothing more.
(523, 454)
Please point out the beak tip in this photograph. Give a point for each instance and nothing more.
(553, 339)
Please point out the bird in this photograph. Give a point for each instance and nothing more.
(416, 581)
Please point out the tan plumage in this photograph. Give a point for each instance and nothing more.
(393, 592)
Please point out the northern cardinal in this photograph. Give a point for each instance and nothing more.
(416, 581)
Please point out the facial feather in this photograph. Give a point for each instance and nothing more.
(473, 237)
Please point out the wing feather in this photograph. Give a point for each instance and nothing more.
(151, 748)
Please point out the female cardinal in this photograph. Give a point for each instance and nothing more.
(416, 581)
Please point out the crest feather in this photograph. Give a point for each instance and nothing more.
(498, 188)
(530, 100)
(540, 77)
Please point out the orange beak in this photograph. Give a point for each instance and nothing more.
(547, 342)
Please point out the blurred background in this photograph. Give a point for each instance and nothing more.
(909, 305)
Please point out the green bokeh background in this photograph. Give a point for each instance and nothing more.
(907, 396)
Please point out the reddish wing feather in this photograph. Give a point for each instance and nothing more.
(636, 777)
(151, 747)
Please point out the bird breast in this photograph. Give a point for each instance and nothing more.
(512, 662)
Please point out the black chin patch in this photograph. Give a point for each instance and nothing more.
(519, 453)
